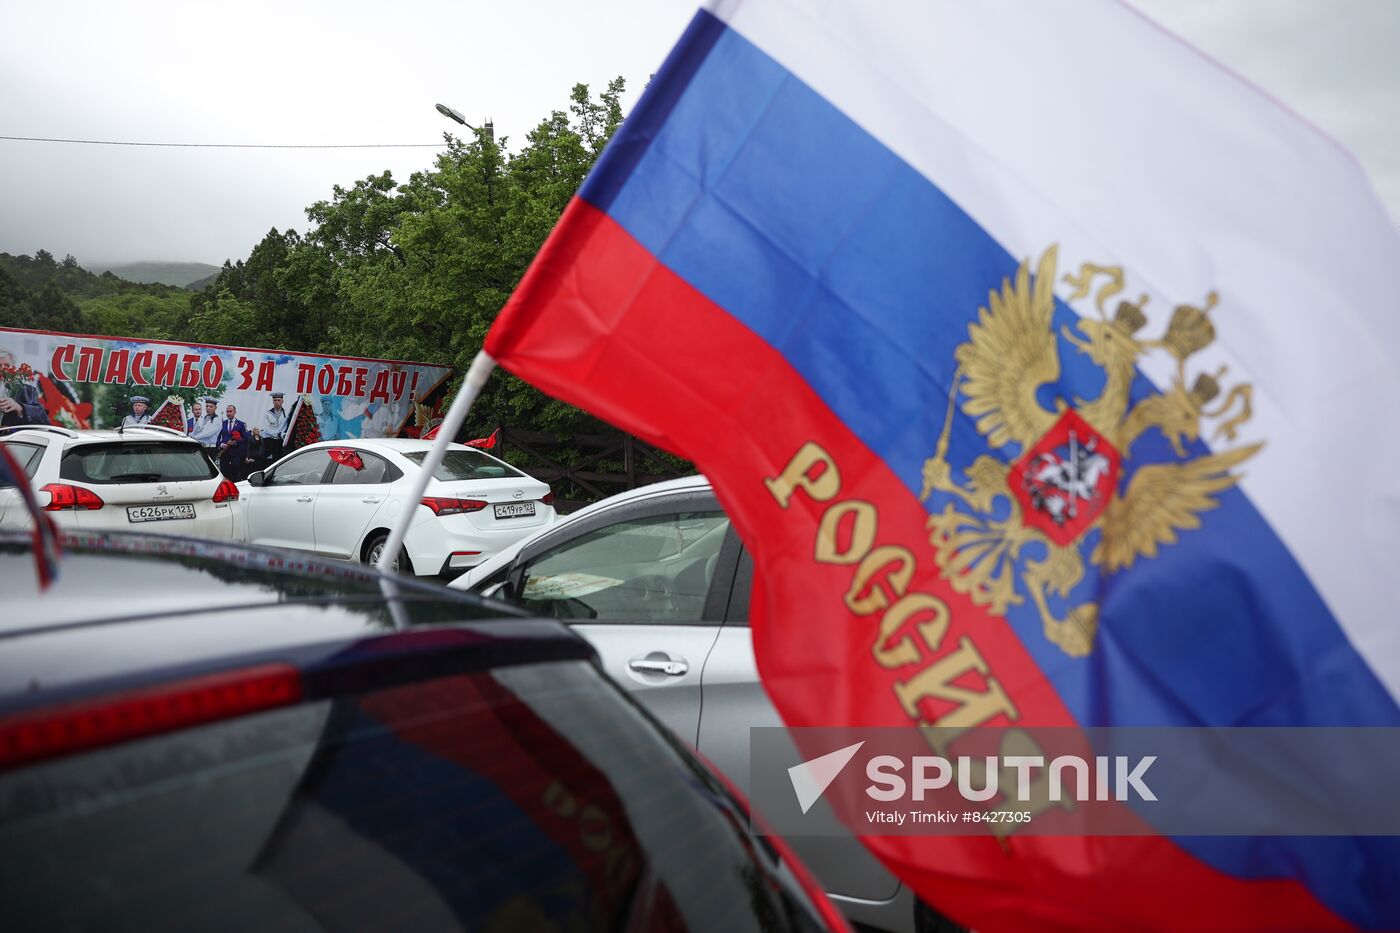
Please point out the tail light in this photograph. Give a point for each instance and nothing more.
(226, 492)
(85, 725)
(548, 498)
(65, 498)
(446, 506)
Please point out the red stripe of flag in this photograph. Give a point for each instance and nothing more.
(48, 550)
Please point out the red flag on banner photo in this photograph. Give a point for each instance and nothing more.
(1016, 353)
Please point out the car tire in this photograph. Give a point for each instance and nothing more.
(375, 546)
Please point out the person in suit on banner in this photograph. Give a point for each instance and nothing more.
(233, 445)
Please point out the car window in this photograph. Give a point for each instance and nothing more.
(28, 456)
(306, 469)
(653, 569)
(373, 469)
(529, 798)
(738, 612)
(136, 462)
(466, 464)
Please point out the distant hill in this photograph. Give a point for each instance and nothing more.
(200, 285)
(178, 274)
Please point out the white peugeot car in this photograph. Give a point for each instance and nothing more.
(144, 478)
(340, 499)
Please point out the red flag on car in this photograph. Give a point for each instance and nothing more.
(487, 443)
(44, 533)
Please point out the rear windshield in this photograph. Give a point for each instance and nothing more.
(466, 464)
(528, 798)
(142, 462)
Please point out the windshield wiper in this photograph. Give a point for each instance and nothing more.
(137, 477)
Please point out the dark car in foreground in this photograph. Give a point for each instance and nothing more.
(202, 736)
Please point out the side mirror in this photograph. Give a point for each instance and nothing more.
(255, 478)
(505, 590)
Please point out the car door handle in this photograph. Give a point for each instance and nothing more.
(650, 666)
(306, 498)
(371, 499)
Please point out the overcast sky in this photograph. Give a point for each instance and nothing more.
(355, 71)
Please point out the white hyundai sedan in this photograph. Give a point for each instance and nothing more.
(339, 499)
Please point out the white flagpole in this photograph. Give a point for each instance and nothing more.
(477, 375)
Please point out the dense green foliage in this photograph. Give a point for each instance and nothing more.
(414, 270)
(39, 292)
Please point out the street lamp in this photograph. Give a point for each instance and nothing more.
(451, 114)
(489, 128)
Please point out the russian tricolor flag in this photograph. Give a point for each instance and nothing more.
(1049, 371)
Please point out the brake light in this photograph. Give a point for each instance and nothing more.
(86, 725)
(447, 506)
(548, 498)
(226, 492)
(65, 498)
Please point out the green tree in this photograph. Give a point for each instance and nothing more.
(53, 310)
(16, 309)
(228, 320)
(419, 270)
(137, 315)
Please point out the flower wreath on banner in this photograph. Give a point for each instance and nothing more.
(302, 426)
(171, 414)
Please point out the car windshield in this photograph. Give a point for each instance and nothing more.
(466, 464)
(141, 462)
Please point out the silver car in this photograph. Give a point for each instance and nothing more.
(659, 582)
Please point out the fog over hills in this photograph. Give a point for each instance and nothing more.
(178, 274)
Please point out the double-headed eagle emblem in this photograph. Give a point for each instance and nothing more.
(1059, 476)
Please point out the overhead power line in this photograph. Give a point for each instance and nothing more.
(113, 142)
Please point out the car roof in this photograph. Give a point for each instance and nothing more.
(32, 432)
(400, 445)
(136, 607)
(659, 490)
(641, 493)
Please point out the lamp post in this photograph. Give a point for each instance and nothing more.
(453, 115)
